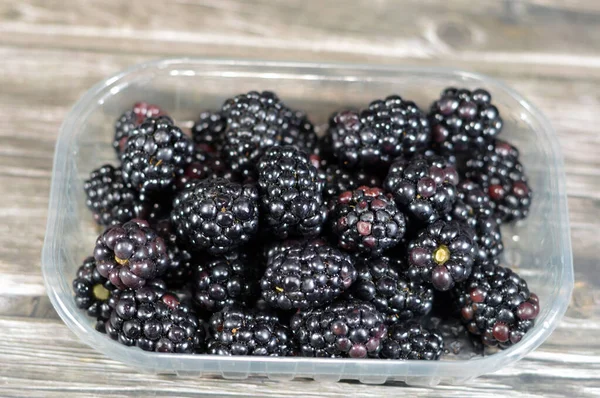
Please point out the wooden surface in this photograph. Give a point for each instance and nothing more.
(52, 51)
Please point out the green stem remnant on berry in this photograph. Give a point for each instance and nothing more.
(100, 292)
(441, 254)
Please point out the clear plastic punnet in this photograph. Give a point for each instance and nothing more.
(538, 248)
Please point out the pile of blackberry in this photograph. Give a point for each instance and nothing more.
(250, 235)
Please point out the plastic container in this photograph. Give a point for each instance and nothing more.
(539, 248)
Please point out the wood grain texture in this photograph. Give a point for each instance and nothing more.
(52, 51)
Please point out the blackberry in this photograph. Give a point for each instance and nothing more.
(215, 215)
(499, 171)
(130, 254)
(305, 274)
(423, 187)
(209, 129)
(352, 329)
(299, 132)
(338, 180)
(412, 341)
(374, 136)
(383, 283)
(92, 290)
(495, 303)
(110, 199)
(157, 152)
(206, 165)
(463, 120)
(224, 280)
(442, 254)
(367, 221)
(129, 120)
(291, 193)
(239, 331)
(154, 320)
(180, 269)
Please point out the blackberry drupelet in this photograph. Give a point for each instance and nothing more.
(499, 171)
(110, 199)
(425, 188)
(495, 303)
(239, 331)
(463, 120)
(442, 254)
(154, 320)
(338, 180)
(307, 274)
(156, 153)
(92, 290)
(130, 254)
(374, 136)
(412, 341)
(129, 120)
(366, 221)
(290, 193)
(209, 129)
(353, 329)
(383, 283)
(215, 215)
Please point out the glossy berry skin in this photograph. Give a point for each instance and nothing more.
(215, 215)
(412, 341)
(109, 197)
(338, 180)
(209, 129)
(345, 329)
(240, 331)
(307, 274)
(92, 290)
(366, 221)
(463, 120)
(156, 153)
(442, 254)
(499, 171)
(128, 122)
(290, 193)
(496, 304)
(130, 254)
(383, 283)
(154, 320)
(425, 188)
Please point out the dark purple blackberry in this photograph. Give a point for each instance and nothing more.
(463, 120)
(499, 171)
(181, 261)
(442, 254)
(290, 193)
(154, 320)
(224, 280)
(239, 331)
(383, 283)
(215, 215)
(353, 329)
(209, 129)
(206, 165)
(338, 180)
(425, 188)
(366, 221)
(130, 254)
(92, 290)
(495, 303)
(110, 199)
(412, 341)
(307, 274)
(129, 120)
(157, 152)
(299, 132)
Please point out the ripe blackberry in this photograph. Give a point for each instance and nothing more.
(223, 281)
(290, 193)
(374, 136)
(209, 129)
(215, 215)
(338, 180)
(155, 320)
(180, 269)
(367, 221)
(442, 254)
(499, 171)
(463, 120)
(305, 274)
(412, 341)
(352, 329)
(130, 254)
(239, 331)
(110, 199)
(206, 165)
(92, 290)
(423, 187)
(129, 120)
(383, 283)
(157, 152)
(496, 304)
